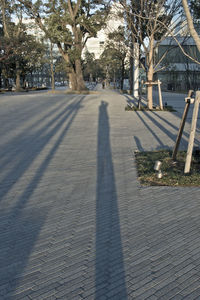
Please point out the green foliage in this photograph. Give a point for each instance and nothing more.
(19, 51)
(92, 68)
(69, 24)
(72, 27)
(195, 6)
(114, 54)
(57, 30)
(60, 65)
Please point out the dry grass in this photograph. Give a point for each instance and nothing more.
(173, 172)
(145, 108)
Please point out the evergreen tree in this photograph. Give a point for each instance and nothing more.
(69, 24)
(19, 50)
(116, 50)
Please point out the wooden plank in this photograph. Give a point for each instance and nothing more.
(192, 133)
(151, 82)
(182, 125)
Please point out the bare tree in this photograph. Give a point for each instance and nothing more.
(146, 19)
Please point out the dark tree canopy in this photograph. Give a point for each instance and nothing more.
(69, 24)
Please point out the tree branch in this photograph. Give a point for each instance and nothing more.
(192, 30)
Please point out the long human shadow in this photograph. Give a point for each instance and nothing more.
(20, 227)
(34, 144)
(109, 252)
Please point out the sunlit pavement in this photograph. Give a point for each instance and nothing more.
(75, 222)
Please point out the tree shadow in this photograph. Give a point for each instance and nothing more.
(17, 239)
(31, 146)
(35, 112)
(166, 131)
(169, 124)
(19, 141)
(149, 128)
(21, 225)
(28, 110)
(109, 274)
(138, 144)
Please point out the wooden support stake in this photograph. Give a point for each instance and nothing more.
(182, 124)
(150, 83)
(160, 95)
(192, 134)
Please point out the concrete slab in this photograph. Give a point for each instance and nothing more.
(75, 222)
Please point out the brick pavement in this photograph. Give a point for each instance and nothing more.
(75, 222)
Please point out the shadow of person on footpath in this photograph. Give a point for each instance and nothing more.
(110, 273)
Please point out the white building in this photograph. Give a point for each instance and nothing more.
(96, 44)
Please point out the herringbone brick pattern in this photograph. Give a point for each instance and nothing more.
(75, 222)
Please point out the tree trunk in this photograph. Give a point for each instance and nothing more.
(114, 78)
(18, 77)
(52, 68)
(18, 84)
(72, 81)
(150, 75)
(3, 11)
(131, 75)
(6, 83)
(73, 85)
(122, 75)
(69, 69)
(79, 75)
(150, 90)
(52, 78)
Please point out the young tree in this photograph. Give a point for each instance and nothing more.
(146, 19)
(69, 24)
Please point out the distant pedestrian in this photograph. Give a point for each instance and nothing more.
(103, 84)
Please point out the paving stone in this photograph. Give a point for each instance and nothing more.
(75, 222)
